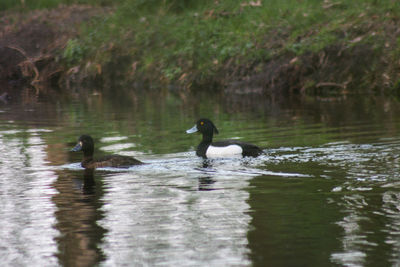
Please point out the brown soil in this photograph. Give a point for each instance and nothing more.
(30, 43)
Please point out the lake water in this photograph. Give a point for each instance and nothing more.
(326, 193)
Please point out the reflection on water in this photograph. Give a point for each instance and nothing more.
(78, 212)
(326, 192)
(192, 225)
(26, 209)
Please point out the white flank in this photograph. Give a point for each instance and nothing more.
(231, 150)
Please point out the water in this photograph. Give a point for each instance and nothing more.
(326, 193)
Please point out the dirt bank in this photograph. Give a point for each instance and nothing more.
(31, 43)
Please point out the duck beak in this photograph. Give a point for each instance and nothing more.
(192, 130)
(78, 147)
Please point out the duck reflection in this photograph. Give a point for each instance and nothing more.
(79, 210)
(206, 182)
(207, 163)
(89, 184)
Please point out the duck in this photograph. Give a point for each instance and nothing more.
(86, 145)
(227, 148)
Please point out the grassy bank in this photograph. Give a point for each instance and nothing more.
(204, 43)
(306, 46)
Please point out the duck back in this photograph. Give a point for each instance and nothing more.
(111, 161)
(248, 150)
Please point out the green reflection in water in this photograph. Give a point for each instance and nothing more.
(292, 222)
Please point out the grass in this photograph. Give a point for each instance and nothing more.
(191, 42)
(178, 38)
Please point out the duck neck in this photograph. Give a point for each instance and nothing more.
(87, 156)
(86, 161)
(204, 144)
(207, 138)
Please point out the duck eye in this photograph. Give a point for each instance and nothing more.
(202, 123)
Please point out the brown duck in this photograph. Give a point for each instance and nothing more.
(86, 144)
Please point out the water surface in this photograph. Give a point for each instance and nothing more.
(326, 192)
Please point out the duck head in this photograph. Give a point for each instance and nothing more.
(204, 126)
(85, 144)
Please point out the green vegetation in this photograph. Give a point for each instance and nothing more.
(188, 41)
(73, 52)
(306, 44)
